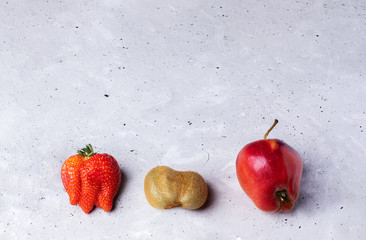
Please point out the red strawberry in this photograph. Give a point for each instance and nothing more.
(91, 179)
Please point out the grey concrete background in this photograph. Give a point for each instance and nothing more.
(185, 84)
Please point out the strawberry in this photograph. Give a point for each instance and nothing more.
(91, 179)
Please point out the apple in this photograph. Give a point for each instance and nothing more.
(269, 171)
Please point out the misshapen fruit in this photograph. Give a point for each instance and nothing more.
(269, 171)
(166, 188)
(91, 179)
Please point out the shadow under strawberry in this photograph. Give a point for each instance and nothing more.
(120, 190)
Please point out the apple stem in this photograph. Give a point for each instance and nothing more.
(270, 129)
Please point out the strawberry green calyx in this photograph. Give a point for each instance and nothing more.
(86, 152)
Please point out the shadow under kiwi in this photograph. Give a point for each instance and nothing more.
(211, 198)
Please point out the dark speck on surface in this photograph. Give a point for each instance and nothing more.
(106, 95)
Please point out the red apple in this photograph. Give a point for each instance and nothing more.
(269, 171)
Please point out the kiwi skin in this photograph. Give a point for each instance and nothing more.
(167, 188)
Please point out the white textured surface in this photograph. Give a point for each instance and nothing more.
(189, 84)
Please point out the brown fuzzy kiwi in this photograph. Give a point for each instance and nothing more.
(166, 188)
